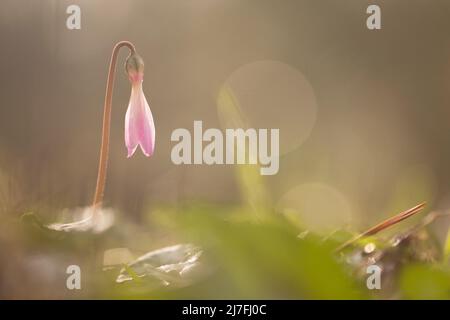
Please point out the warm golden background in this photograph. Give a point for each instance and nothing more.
(364, 116)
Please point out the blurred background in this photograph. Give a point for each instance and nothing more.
(363, 115)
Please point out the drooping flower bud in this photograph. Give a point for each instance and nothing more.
(139, 126)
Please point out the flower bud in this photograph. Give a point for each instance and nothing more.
(139, 126)
(135, 67)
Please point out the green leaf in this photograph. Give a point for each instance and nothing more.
(267, 260)
(423, 282)
(447, 248)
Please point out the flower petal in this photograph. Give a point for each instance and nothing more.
(139, 126)
(131, 138)
(147, 132)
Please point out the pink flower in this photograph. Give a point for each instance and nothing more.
(139, 126)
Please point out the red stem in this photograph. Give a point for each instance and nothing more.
(104, 148)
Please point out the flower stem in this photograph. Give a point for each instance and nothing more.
(104, 148)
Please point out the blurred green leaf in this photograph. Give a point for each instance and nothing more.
(424, 282)
(267, 259)
(251, 183)
(170, 265)
(447, 248)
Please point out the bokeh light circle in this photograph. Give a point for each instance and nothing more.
(272, 94)
(320, 207)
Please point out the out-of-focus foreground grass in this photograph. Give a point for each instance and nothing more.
(233, 255)
(228, 251)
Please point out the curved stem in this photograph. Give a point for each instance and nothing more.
(104, 148)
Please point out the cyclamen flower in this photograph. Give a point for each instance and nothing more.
(139, 126)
